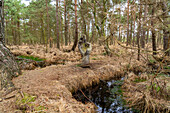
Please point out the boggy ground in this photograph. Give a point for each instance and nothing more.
(50, 89)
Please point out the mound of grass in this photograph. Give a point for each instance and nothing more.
(31, 58)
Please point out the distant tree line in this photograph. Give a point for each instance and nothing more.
(135, 22)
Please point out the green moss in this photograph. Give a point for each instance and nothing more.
(31, 58)
(104, 53)
(27, 102)
(160, 74)
(139, 80)
(166, 67)
(78, 65)
(94, 58)
(26, 99)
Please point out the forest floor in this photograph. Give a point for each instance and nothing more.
(50, 89)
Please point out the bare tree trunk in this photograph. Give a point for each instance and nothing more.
(83, 19)
(134, 22)
(66, 22)
(57, 26)
(2, 39)
(60, 24)
(8, 66)
(48, 25)
(131, 27)
(153, 33)
(120, 25)
(139, 31)
(42, 30)
(127, 43)
(76, 28)
(14, 32)
(144, 29)
(19, 36)
(166, 38)
(147, 36)
(69, 31)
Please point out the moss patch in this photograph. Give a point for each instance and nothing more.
(27, 103)
(137, 80)
(31, 58)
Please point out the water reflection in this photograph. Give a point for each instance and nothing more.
(107, 96)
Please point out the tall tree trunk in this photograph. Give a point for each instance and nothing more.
(69, 30)
(120, 25)
(84, 21)
(18, 29)
(76, 28)
(61, 23)
(104, 18)
(139, 31)
(134, 22)
(13, 32)
(6, 33)
(95, 19)
(93, 32)
(166, 37)
(66, 22)
(131, 27)
(153, 33)
(57, 26)
(8, 66)
(42, 30)
(147, 39)
(48, 25)
(127, 23)
(144, 29)
(2, 32)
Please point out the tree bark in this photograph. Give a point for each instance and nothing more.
(144, 29)
(134, 22)
(131, 27)
(57, 26)
(166, 39)
(8, 66)
(120, 25)
(127, 43)
(139, 31)
(76, 28)
(19, 36)
(66, 22)
(153, 33)
(48, 25)
(42, 30)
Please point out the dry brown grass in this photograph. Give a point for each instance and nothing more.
(139, 95)
(54, 85)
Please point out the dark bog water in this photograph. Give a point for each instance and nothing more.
(107, 96)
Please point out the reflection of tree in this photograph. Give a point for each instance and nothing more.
(8, 65)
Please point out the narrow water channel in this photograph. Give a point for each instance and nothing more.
(107, 96)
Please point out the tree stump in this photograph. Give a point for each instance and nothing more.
(85, 49)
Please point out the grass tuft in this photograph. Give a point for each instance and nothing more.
(31, 58)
